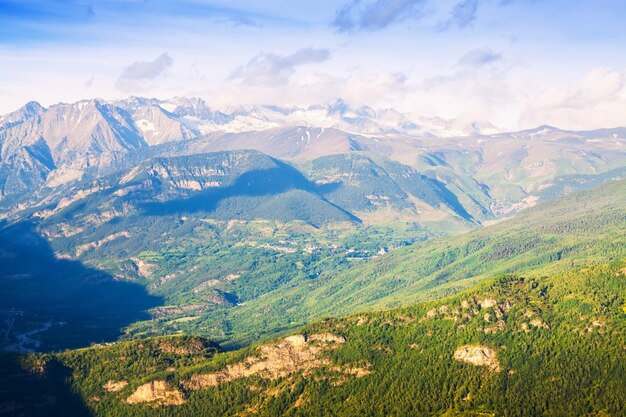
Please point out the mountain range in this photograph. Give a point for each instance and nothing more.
(46, 150)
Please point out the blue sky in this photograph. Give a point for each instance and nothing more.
(515, 63)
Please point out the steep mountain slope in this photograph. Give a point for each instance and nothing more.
(157, 126)
(25, 168)
(195, 210)
(50, 303)
(517, 168)
(55, 146)
(341, 115)
(357, 183)
(65, 142)
(243, 185)
(512, 346)
(576, 229)
(285, 142)
(20, 115)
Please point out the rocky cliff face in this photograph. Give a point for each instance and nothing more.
(156, 393)
(478, 356)
(293, 354)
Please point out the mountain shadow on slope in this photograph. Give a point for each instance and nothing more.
(358, 183)
(278, 193)
(430, 190)
(30, 388)
(48, 303)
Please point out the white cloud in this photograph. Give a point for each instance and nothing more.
(133, 76)
(597, 100)
(477, 57)
(463, 14)
(313, 87)
(376, 15)
(274, 70)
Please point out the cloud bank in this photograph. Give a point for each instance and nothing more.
(274, 70)
(597, 100)
(376, 15)
(133, 76)
(478, 57)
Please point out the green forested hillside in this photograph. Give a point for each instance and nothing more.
(241, 281)
(583, 228)
(513, 346)
(530, 319)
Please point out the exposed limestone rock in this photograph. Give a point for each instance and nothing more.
(506, 306)
(232, 277)
(299, 401)
(93, 245)
(157, 393)
(539, 323)
(359, 372)
(38, 367)
(292, 354)
(598, 325)
(64, 230)
(488, 302)
(431, 313)
(478, 355)
(405, 319)
(326, 338)
(114, 386)
(499, 326)
(206, 284)
(79, 195)
(145, 269)
(168, 311)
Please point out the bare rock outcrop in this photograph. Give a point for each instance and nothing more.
(478, 355)
(114, 386)
(292, 354)
(145, 269)
(156, 393)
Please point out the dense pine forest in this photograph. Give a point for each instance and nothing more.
(513, 346)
